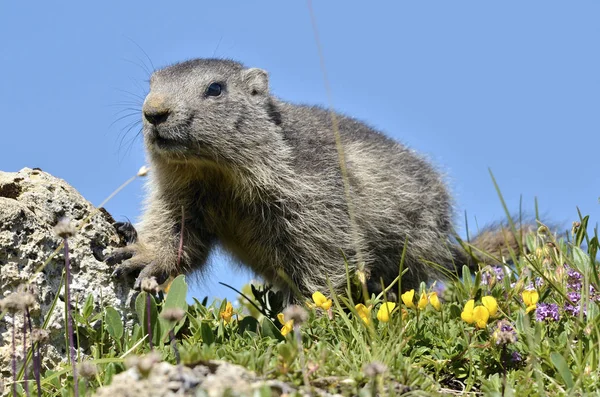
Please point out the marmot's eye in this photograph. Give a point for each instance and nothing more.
(214, 89)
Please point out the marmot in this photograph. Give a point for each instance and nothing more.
(262, 177)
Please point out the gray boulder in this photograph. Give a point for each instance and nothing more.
(31, 204)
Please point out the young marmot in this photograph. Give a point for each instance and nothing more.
(262, 177)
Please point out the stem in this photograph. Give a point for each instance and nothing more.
(36, 355)
(25, 380)
(174, 345)
(69, 319)
(301, 352)
(148, 322)
(442, 314)
(14, 358)
(37, 368)
(504, 360)
(179, 252)
(374, 385)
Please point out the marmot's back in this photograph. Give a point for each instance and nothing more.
(397, 194)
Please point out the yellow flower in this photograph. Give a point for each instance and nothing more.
(321, 301)
(408, 297)
(364, 312)
(467, 313)
(385, 311)
(435, 301)
(490, 304)
(227, 313)
(168, 286)
(481, 316)
(477, 314)
(423, 301)
(288, 326)
(530, 298)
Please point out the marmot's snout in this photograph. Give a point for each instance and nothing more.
(156, 109)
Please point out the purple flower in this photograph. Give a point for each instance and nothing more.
(572, 274)
(493, 273)
(547, 311)
(504, 333)
(515, 357)
(538, 282)
(573, 310)
(574, 297)
(574, 278)
(594, 294)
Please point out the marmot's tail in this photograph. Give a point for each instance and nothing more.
(495, 244)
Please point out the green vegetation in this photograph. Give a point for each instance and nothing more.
(526, 329)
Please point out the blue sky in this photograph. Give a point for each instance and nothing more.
(512, 85)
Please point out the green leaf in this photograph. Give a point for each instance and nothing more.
(208, 337)
(78, 318)
(114, 324)
(581, 231)
(455, 311)
(467, 279)
(268, 329)
(177, 294)
(563, 369)
(477, 280)
(88, 306)
(593, 251)
(194, 323)
(55, 381)
(287, 352)
(176, 298)
(581, 260)
(155, 325)
(109, 371)
(136, 334)
(248, 323)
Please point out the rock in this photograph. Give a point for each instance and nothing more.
(31, 204)
(213, 378)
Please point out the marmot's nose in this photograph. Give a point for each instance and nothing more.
(155, 109)
(156, 116)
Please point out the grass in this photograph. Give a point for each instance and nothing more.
(543, 337)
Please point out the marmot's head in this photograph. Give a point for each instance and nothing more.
(209, 110)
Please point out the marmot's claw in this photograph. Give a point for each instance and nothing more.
(150, 270)
(127, 232)
(127, 269)
(118, 256)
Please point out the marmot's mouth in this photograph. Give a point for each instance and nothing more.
(157, 139)
(165, 143)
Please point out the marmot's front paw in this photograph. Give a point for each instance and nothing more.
(119, 255)
(135, 265)
(148, 271)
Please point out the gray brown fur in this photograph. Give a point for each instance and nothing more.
(261, 177)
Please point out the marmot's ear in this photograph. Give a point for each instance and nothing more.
(256, 80)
